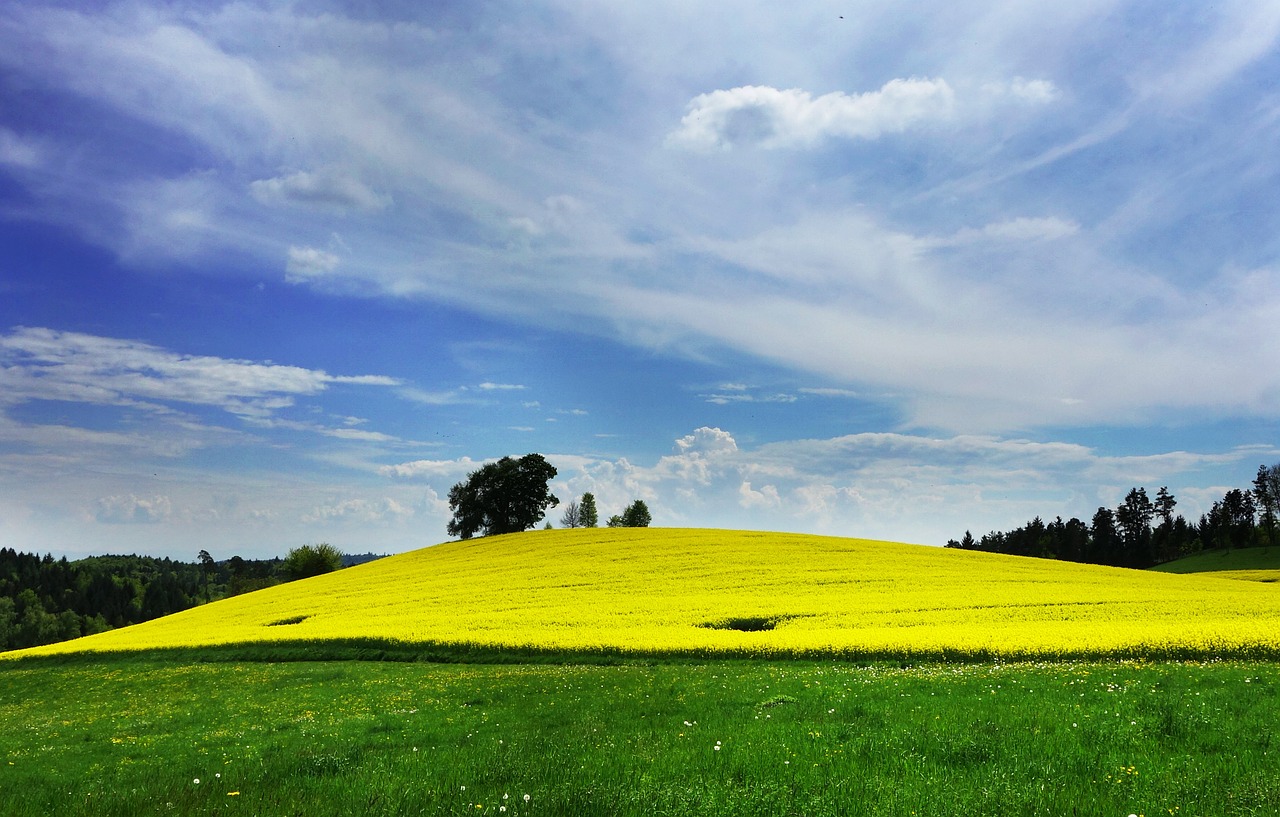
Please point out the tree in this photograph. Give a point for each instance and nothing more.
(1230, 521)
(207, 566)
(1164, 505)
(1105, 541)
(1266, 494)
(507, 496)
(1134, 518)
(635, 516)
(588, 517)
(572, 516)
(311, 560)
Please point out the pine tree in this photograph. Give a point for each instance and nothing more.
(587, 514)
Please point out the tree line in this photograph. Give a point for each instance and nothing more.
(43, 600)
(1142, 531)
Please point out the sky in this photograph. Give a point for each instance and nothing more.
(282, 273)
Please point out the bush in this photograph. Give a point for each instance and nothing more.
(311, 560)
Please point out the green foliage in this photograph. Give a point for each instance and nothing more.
(311, 560)
(589, 517)
(43, 600)
(121, 737)
(635, 516)
(507, 496)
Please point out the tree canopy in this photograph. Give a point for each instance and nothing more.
(312, 560)
(507, 496)
(635, 516)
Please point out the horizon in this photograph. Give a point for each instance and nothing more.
(280, 275)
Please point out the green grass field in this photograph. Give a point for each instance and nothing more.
(132, 736)
(1249, 564)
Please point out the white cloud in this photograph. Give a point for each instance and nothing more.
(1036, 91)
(359, 510)
(324, 188)
(46, 364)
(726, 397)
(707, 441)
(308, 263)
(773, 118)
(1013, 230)
(766, 497)
(431, 469)
(130, 509)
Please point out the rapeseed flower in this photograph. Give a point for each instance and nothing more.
(708, 592)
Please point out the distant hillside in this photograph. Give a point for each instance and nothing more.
(665, 592)
(1249, 564)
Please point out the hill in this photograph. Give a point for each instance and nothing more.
(1247, 564)
(709, 592)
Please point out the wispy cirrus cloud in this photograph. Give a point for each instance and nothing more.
(324, 188)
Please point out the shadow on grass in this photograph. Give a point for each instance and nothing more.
(389, 650)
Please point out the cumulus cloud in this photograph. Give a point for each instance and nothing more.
(706, 441)
(431, 469)
(773, 118)
(888, 485)
(364, 511)
(130, 509)
(766, 497)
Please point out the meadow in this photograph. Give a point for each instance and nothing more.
(1248, 564)
(134, 736)
(666, 672)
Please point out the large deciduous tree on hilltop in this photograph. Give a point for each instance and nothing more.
(507, 496)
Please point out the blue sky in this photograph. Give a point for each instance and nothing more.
(283, 273)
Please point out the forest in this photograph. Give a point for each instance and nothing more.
(44, 600)
(1142, 532)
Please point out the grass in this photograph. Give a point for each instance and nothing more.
(131, 736)
(1249, 564)
(708, 593)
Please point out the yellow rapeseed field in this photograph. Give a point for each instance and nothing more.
(695, 592)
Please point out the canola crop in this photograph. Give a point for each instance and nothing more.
(671, 592)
